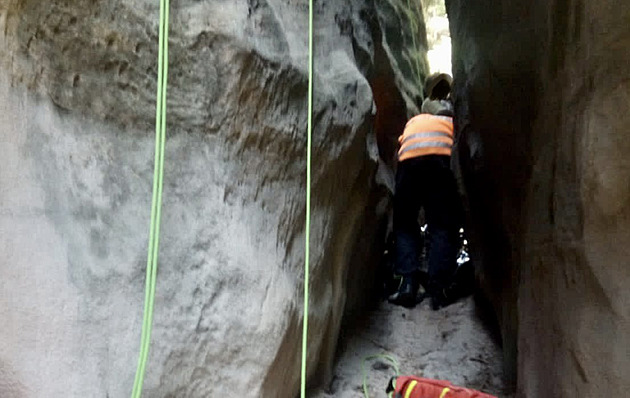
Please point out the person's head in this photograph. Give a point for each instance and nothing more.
(438, 86)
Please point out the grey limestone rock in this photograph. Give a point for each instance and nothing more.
(77, 99)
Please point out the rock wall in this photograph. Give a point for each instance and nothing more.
(542, 97)
(77, 88)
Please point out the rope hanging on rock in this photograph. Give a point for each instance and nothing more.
(156, 203)
(308, 200)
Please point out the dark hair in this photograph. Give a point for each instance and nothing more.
(441, 90)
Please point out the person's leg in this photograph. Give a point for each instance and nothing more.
(406, 231)
(444, 218)
(406, 228)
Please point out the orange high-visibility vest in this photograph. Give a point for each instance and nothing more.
(426, 134)
(418, 387)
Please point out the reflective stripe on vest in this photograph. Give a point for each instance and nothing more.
(410, 388)
(426, 135)
(430, 134)
(444, 392)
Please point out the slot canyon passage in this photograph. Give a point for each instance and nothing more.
(541, 95)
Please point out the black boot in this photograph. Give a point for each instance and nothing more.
(439, 295)
(406, 295)
(441, 299)
(461, 286)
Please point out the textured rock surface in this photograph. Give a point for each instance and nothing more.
(542, 97)
(77, 86)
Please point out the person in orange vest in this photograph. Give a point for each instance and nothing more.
(424, 180)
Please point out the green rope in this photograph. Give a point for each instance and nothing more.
(308, 199)
(156, 203)
(387, 357)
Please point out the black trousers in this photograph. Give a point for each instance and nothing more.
(427, 182)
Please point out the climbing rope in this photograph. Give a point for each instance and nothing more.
(386, 357)
(152, 257)
(156, 202)
(308, 199)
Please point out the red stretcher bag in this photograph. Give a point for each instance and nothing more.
(417, 387)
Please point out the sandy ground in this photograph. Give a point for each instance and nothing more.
(452, 344)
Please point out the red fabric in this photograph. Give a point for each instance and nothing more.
(428, 388)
